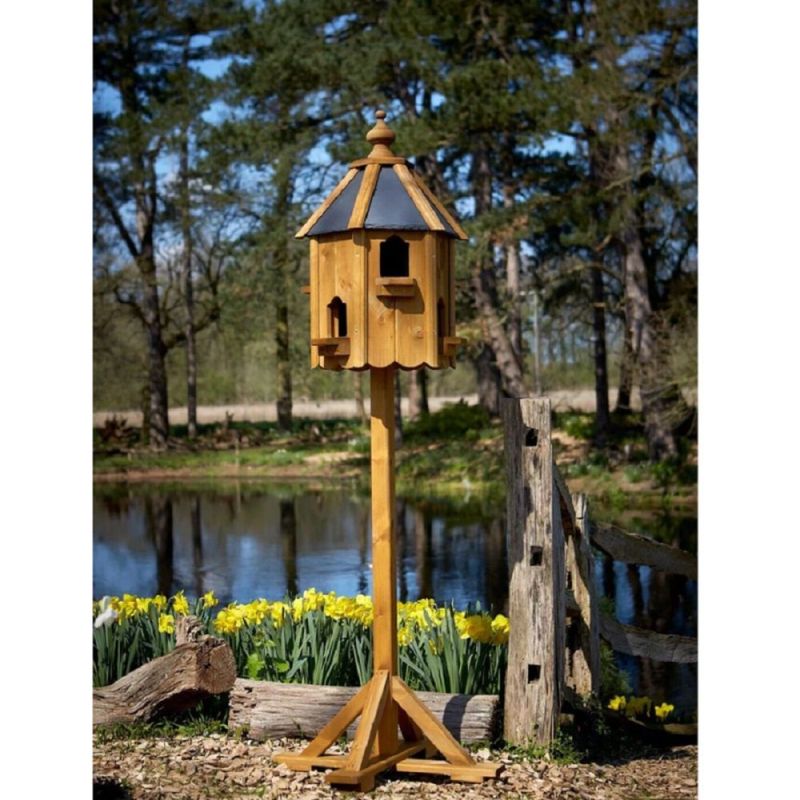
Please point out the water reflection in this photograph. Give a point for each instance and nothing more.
(253, 540)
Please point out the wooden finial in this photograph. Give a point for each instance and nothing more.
(381, 137)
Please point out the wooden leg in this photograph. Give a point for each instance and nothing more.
(312, 755)
(371, 718)
(432, 729)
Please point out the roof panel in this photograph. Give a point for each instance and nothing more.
(335, 219)
(391, 207)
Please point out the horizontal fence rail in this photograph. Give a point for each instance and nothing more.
(632, 548)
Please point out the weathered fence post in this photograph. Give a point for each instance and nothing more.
(535, 673)
(583, 634)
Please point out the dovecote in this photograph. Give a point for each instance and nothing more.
(382, 267)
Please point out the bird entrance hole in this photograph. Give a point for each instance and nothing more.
(394, 258)
(531, 437)
(536, 556)
(337, 317)
(534, 672)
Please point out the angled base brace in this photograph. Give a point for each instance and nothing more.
(422, 734)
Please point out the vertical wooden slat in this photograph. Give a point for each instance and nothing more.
(313, 280)
(384, 569)
(410, 317)
(357, 316)
(535, 673)
(431, 274)
(583, 673)
(451, 301)
(381, 350)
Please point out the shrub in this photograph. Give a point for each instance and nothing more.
(458, 421)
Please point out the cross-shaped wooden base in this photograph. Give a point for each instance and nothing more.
(381, 697)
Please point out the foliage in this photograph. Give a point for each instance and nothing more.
(613, 680)
(563, 749)
(458, 421)
(564, 135)
(575, 424)
(316, 638)
(641, 708)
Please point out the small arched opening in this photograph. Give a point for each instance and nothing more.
(394, 258)
(337, 317)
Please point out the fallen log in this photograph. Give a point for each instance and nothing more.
(271, 710)
(198, 667)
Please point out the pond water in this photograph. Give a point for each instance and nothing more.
(246, 540)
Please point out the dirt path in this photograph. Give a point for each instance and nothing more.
(218, 766)
(577, 399)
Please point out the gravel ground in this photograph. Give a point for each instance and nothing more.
(218, 766)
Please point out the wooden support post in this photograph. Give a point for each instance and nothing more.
(535, 672)
(384, 564)
(386, 702)
(583, 651)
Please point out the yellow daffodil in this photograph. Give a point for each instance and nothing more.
(160, 602)
(209, 601)
(405, 636)
(180, 605)
(142, 604)
(638, 707)
(664, 710)
(617, 703)
(166, 623)
(500, 629)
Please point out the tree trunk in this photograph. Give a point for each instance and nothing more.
(513, 285)
(602, 419)
(188, 299)
(489, 381)
(623, 405)
(193, 670)
(417, 393)
(484, 285)
(283, 188)
(653, 384)
(156, 356)
(537, 345)
(145, 395)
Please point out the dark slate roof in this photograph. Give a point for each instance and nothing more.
(390, 207)
(335, 219)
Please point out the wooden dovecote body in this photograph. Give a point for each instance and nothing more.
(382, 267)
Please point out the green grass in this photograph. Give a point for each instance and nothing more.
(455, 453)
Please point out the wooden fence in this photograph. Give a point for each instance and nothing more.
(556, 622)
